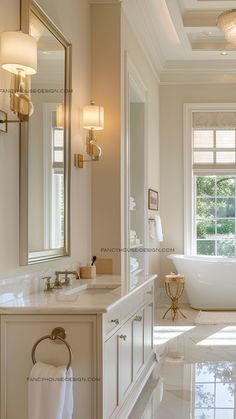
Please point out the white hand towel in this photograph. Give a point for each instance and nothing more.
(158, 228)
(50, 392)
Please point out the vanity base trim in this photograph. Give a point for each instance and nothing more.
(126, 408)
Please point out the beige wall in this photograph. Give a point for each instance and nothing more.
(74, 21)
(172, 180)
(106, 88)
(107, 66)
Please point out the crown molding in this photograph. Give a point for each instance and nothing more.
(198, 72)
(201, 18)
(139, 16)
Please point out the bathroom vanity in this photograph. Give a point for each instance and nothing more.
(110, 333)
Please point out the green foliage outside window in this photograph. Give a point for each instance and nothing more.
(215, 215)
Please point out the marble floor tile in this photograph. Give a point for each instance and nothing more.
(196, 374)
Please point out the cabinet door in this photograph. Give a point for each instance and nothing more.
(125, 359)
(138, 339)
(19, 333)
(110, 375)
(148, 331)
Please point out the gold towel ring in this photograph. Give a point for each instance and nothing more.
(57, 333)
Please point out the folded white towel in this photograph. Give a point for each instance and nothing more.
(132, 234)
(50, 392)
(155, 229)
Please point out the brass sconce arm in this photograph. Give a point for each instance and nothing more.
(4, 121)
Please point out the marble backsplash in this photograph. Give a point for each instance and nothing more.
(24, 282)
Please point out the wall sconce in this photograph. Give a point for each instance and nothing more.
(18, 55)
(60, 116)
(93, 120)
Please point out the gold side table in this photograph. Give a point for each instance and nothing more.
(174, 286)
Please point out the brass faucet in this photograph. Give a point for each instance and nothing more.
(48, 286)
(66, 283)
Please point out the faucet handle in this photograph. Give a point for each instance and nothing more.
(67, 281)
(57, 283)
(48, 287)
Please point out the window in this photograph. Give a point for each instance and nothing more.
(210, 181)
(215, 215)
(214, 390)
(53, 180)
(57, 188)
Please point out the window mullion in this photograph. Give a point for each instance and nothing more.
(216, 247)
(214, 152)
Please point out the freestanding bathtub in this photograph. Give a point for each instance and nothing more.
(210, 281)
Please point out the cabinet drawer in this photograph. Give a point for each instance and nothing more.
(117, 316)
(126, 309)
(149, 293)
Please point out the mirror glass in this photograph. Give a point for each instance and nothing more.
(48, 144)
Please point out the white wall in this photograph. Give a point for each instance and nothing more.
(112, 37)
(74, 22)
(151, 83)
(172, 181)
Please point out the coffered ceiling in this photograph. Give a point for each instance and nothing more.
(182, 40)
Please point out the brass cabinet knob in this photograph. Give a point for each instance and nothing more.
(116, 321)
(138, 318)
(124, 337)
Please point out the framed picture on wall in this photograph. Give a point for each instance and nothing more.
(152, 200)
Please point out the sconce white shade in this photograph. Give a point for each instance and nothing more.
(93, 117)
(60, 116)
(18, 52)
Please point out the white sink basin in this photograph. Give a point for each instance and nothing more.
(70, 294)
(72, 291)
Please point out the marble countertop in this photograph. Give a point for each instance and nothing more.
(83, 296)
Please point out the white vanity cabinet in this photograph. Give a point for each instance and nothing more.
(129, 348)
(112, 355)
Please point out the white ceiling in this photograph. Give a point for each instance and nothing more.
(181, 38)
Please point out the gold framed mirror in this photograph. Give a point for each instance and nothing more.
(45, 144)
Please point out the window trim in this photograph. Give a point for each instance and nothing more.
(188, 110)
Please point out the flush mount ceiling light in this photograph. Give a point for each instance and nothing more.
(226, 22)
